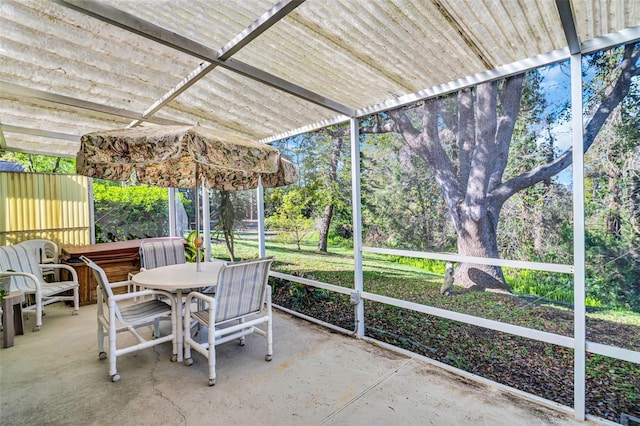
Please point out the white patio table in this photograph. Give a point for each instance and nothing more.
(177, 278)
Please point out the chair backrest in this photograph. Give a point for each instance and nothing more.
(21, 258)
(101, 279)
(45, 250)
(154, 254)
(241, 288)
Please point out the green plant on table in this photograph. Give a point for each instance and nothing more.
(4, 289)
(191, 250)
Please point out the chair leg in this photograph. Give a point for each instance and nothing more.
(269, 333)
(113, 372)
(76, 301)
(269, 355)
(101, 334)
(186, 335)
(38, 313)
(212, 357)
(241, 340)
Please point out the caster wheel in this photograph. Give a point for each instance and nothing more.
(115, 378)
(188, 362)
(74, 313)
(102, 355)
(174, 358)
(268, 357)
(212, 382)
(36, 328)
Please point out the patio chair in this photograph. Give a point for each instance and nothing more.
(242, 302)
(154, 254)
(121, 315)
(28, 278)
(47, 252)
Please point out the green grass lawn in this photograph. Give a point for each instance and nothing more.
(385, 276)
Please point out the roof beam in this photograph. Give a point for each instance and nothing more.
(37, 132)
(259, 26)
(183, 44)
(186, 82)
(20, 91)
(568, 25)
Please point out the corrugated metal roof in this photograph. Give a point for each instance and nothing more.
(65, 73)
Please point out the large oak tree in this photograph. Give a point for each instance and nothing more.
(472, 177)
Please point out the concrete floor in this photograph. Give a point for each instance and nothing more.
(317, 377)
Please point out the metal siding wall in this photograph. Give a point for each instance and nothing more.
(42, 205)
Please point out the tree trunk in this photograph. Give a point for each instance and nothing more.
(331, 182)
(613, 203)
(324, 227)
(478, 238)
(227, 220)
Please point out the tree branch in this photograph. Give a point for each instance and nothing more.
(608, 104)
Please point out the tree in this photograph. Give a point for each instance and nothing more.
(41, 163)
(483, 123)
(330, 187)
(226, 220)
(290, 216)
(401, 204)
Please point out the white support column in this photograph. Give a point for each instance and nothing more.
(357, 225)
(261, 234)
(206, 224)
(172, 211)
(92, 216)
(579, 309)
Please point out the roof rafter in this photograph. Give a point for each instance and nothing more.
(39, 132)
(260, 25)
(20, 91)
(183, 44)
(568, 25)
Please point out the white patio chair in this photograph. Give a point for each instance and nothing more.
(154, 254)
(28, 278)
(121, 315)
(241, 303)
(47, 252)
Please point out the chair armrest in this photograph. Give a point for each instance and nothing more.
(127, 296)
(23, 274)
(197, 295)
(119, 284)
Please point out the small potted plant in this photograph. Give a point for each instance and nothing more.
(5, 284)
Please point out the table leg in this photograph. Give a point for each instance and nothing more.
(11, 318)
(179, 328)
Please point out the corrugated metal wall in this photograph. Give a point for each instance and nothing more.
(42, 205)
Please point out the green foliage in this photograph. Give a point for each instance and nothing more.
(190, 250)
(555, 287)
(429, 265)
(225, 216)
(612, 276)
(129, 212)
(402, 205)
(290, 218)
(41, 163)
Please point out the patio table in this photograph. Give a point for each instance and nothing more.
(177, 278)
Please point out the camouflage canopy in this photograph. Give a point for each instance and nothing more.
(172, 156)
